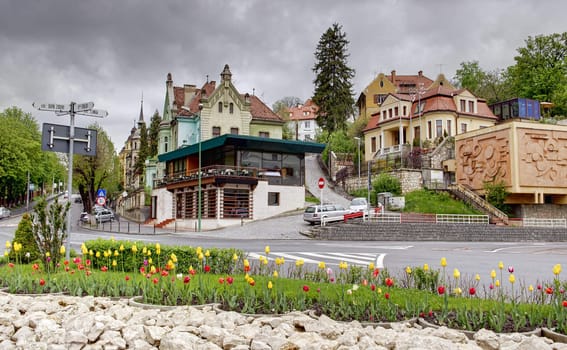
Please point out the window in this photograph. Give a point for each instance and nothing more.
(273, 198)
(438, 128)
(429, 130)
(231, 108)
(405, 110)
(216, 130)
(220, 107)
(264, 134)
(373, 144)
(471, 106)
(396, 111)
(449, 128)
(463, 128)
(307, 124)
(165, 143)
(463, 105)
(390, 113)
(234, 131)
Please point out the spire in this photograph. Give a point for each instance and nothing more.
(226, 74)
(141, 120)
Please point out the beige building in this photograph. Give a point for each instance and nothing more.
(530, 158)
(422, 118)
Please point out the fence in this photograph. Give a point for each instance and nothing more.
(462, 219)
(438, 218)
(535, 222)
(121, 227)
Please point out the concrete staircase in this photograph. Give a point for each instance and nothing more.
(468, 196)
(164, 223)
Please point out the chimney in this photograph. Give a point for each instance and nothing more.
(394, 77)
(420, 73)
(188, 93)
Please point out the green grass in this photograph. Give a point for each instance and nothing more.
(431, 202)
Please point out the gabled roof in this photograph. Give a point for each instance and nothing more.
(298, 112)
(245, 142)
(261, 112)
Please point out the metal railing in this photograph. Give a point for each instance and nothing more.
(536, 222)
(476, 200)
(393, 218)
(121, 227)
(462, 219)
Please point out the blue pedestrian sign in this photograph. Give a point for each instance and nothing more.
(101, 193)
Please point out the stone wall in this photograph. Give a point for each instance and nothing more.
(541, 211)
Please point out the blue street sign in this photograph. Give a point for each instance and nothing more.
(101, 193)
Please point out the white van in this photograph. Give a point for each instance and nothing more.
(4, 213)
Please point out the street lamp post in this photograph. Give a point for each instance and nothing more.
(358, 141)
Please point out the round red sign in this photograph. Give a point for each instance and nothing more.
(321, 183)
(101, 201)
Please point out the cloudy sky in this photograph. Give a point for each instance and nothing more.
(111, 52)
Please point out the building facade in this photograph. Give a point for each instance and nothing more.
(303, 121)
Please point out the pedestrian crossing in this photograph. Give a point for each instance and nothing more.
(329, 258)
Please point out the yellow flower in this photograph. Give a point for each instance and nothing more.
(6, 253)
(198, 250)
(121, 247)
(91, 253)
(158, 246)
(246, 263)
(150, 260)
(8, 245)
(207, 253)
(457, 291)
(114, 263)
(500, 265)
(493, 274)
(144, 250)
(512, 279)
(299, 262)
(267, 249)
(425, 267)
(234, 257)
(477, 277)
(47, 254)
(531, 288)
(200, 256)
(265, 261)
(106, 254)
(557, 269)
(379, 290)
(275, 274)
(84, 249)
(98, 254)
(149, 253)
(497, 283)
(371, 266)
(443, 262)
(173, 257)
(321, 265)
(456, 273)
(152, 269)
(343, 265)
(408, 270)
(270, 285)
(134, 249)
(17, 246)
(170, 265)
(116, 253)
(62, 250)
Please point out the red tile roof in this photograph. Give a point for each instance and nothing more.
(298, 112)
(260, 111)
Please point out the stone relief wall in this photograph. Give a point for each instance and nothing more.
(542, 158)
(483, 158)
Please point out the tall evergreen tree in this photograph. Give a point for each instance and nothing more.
(153, 135)
(333, 87)
(144, 149)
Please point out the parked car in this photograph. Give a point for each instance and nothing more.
(85, 217)
(4, 212)
(103, 215)
(330, 212)
(358, 204)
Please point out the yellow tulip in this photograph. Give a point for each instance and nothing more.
(201, 256)
(371, 266)
(84, 249)
(8, 245)
(98, 254)
(493, 274)
(265, 261)
(207, 253)
(198, 250)
(174, 257)
(150, 260)
(443, 262)
(321, 265)
(531, 288)
(299, 262)
(234, 257)
(62, 250)
(557, 269)
(158, 246)
(152, 269)
(114, 263)
(149, 253)
(500, 265)
(134, 249)
(456, 273)
(275, 274)
(270, 285)
(246, 263)
(477, 277)
(425, 267)
(457, 291)
(47, 254)
(106, 254)
(408, 270)
(91, 253)
(144, 250)
(116, 253)
(267, 249)
(343, 265)
(121, 247)
(497, 283)
(512, 279)
(6, 253)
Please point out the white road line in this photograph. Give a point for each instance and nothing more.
(380, 261)
(356, 259)
(344, 257)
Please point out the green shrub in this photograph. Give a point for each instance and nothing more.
(24, 236)
(387, 183)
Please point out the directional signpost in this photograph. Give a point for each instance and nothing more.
(54, 136)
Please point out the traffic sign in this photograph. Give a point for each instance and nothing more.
(83, 107)
(53, 107)
(55, 138)
(99, 113)
(321, 183)
(101, 201)
(101, 193)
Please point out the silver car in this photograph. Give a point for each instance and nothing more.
(327, 212)
(103, 215)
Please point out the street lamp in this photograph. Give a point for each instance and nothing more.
(358, 140)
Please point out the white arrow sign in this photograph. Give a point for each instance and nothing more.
(99, 113)
(53, 107)
(83, 107)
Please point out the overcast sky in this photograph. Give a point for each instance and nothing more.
(111, 52)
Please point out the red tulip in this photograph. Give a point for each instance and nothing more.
(472, 291)
(187, 279)
(229, 280)
(221, 280)
(42, 282)
(155, 280)
(564, 303)
(127, 278)
(306, 288)
(387, 295)
(375, 272)
(441, 290)
(207, 268)
(549, 290)
(510, 269)
(372, 287)
(11, 265)
(389, 282)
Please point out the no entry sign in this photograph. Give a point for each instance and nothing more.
(321, 183)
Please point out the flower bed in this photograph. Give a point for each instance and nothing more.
(159, 276)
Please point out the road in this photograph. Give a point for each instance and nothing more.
(312, 174)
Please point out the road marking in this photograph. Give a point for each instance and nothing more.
(329, 258)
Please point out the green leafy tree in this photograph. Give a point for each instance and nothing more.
(387, 183)
(49, 227)
(490, 85)
(495, 194)
(540, 71)
(100, 171)
(144, 152)
(333, 87)
(153, 135)
(24, 235)
(281, 107)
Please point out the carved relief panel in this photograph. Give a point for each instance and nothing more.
(542, 158)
